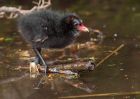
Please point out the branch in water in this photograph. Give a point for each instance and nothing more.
(61, 68)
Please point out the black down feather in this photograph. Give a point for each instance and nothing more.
(47, 29)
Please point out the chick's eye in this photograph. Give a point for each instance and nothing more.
(75, 23)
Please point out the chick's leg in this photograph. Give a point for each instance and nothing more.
(39, 59)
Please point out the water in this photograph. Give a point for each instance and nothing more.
(118, 20)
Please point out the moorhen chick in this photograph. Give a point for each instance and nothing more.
(49, 29)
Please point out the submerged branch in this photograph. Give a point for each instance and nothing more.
(102, 95)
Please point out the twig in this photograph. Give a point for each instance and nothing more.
(15, 12)
(102, 95)
(108, 56)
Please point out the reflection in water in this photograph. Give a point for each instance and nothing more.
(16, 89)
(53, 79)
(10, 80)
(22, 87)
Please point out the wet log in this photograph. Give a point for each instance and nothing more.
(67, 66)
(59, 67)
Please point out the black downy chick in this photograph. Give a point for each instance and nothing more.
(49, 29)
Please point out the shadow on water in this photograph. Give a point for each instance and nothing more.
(119, 20)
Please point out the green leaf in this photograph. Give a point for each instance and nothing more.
(8, 39)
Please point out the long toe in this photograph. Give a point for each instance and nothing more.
(34, 68)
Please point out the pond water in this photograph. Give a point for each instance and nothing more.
(119, 20)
